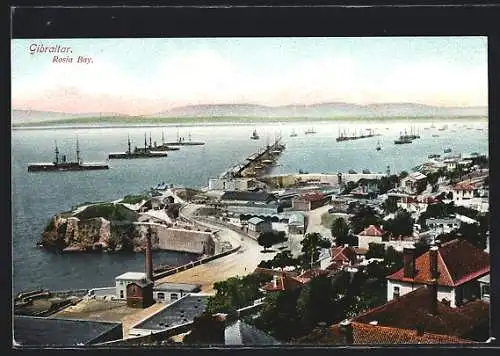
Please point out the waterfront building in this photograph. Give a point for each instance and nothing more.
(58, 332)
(123, 280)
(232, 184)
(170, 292)
(140, 294)
(173, 319)
(455, 267)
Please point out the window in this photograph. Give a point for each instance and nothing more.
(174, 296)
(161, 295)
(121, 294)
(485, 291)
(395, 293)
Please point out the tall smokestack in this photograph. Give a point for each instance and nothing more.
(149, 256)
(433, 265)
(409, 262)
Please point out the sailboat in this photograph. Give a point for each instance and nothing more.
(378, 148)
(255, 135)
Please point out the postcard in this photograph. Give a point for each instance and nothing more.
(241, 191)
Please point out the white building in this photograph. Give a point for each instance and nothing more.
(125, 279)
(456, 266)
(233, 184)
(414, 183)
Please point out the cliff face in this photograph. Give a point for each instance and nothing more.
(94, 234)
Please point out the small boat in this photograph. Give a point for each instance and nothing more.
(310, 131)
(293, 133)
(447, 150)
(435, 135)
(434, 155)
(378, 148)
(255, 135)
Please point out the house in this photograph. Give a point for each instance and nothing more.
(341, 257)
(257, 225)
(421, 309)
(484, 285)
(354, 333)
(464, 191)
(450, 164)
(309, 201)
(371, 234)
(455, 267)
(243, 197)
(170, 292)
(280, 280)
(414, 183)
(140, 294)
(443, 225)
(296, 224)
(123, 280)
(58, 332)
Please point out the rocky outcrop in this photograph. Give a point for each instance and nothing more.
(71, 234)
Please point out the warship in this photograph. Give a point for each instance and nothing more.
(146, 152)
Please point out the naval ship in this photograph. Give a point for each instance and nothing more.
(64, 165)
(146, 152)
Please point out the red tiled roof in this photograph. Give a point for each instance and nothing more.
(413, 308)
(372, 230)
(458, 262)
(365, 334)
(340, 254)
(464, 186)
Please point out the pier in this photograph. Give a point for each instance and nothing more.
(257, 163)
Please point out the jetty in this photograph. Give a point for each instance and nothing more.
(257, 163)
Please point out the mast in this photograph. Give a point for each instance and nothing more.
(57, 153)
(129, 151)
(77, 150)
(162, 137)
(145, 142)
(150, 143)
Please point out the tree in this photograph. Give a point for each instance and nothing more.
(390, 205)
(311, 245)
(339, 229)
(349, 187)
(387, 183)
(401, 225)
(315, 302)
(266, 239)
(403, 174)
(375, 250)
(363, 216)
(206, 329)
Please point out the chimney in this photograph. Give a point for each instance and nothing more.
(409, 262)
(433, 263)
(149, 257)
(346, 330)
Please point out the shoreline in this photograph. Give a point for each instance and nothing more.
(120, 122)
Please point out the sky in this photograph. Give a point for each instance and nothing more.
(146, 76)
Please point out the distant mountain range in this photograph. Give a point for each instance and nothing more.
(323, 110)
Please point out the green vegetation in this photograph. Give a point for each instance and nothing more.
(108, 211)
(400, 225)
(267, 239)
(134, 199)
(137, 120)
(282, 260)
(235, 293)
(311, 246)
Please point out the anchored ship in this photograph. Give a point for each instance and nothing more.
(255, 135)
(181, 141)
(403, 139)
(343, 136)
(146, 152)
(164, 146)
(64, 165)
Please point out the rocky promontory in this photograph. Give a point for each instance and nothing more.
(106, 227)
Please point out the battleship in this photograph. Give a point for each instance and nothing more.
(181, 141)
(146, 152)
(64, 165)
(343, 136)
(164, 146)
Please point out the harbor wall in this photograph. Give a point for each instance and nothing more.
(288, 180)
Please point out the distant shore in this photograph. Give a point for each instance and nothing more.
(115, 122)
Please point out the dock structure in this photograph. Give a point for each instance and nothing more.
(257, 163)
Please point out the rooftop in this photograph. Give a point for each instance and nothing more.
(255, 220)
(37, 331)
(343, 253)
(413, 308)
(241, 333)
(185, 287)
(458, 262)
(372, 230)
(248, 196)
(182, 311)
(132, 276)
